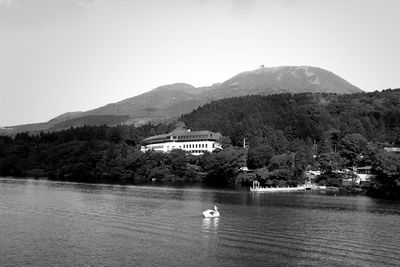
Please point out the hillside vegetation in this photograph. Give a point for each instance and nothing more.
(286, 134)
(376, 116)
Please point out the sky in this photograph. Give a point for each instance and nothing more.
(59, 56)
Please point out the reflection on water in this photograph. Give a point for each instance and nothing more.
(210, 225)
(46, 223)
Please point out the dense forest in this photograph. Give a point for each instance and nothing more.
(376, 116)
(285, 135)
(111, 155)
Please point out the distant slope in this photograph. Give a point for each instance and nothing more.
(375, 115)
(171, 101)
(65, 116)
(151, 103)
(110, 120)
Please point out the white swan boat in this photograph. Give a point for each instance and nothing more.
(257, 188)
(211, 213)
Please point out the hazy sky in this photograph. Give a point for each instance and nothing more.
(74, 55)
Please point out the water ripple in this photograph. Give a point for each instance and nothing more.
(44, 223)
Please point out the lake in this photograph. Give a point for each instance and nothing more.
(47, 223)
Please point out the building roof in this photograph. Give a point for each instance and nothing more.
(189, 133)
(364, 168)
(183, 135)
(392, 149)
(160, 136)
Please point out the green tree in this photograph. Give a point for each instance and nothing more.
(269, 136)
(259, 156)
(303, 158)
(282, 161)
(352, 146)
(178, 162)
(115, 135)
(223, 166)
(331, 162)
(387, 167)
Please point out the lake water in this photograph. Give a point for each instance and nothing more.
(44, 223)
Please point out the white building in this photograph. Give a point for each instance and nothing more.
(363, 173)
(196, 142)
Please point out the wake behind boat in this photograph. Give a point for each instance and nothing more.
(257, 188)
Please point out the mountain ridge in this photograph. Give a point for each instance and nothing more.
(171, 101)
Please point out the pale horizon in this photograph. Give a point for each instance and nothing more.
(59, 56)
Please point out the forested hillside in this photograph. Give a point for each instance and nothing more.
(286, 134)
(376, 116)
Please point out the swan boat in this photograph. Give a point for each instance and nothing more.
(211, 213)
(257, 188)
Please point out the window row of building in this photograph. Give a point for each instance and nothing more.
(188, 137)
(196, 146)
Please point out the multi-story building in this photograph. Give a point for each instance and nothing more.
(193, 142)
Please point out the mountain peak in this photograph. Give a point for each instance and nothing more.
(285, 79)
(184, 87)
(172, 100)
(173, 86)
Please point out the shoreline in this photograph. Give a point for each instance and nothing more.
(169, 183)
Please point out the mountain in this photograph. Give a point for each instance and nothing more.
(289, 79)
(171, 101)
(150, 104)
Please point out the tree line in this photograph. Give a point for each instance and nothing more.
(110, 155)
(286, 134)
